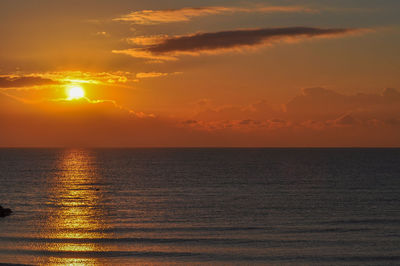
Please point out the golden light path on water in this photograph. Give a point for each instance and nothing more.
(78, 213)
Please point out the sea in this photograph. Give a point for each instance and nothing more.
(200, 206)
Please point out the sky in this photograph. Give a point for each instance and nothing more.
(188, 73)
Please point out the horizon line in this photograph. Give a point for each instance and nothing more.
(201, 147)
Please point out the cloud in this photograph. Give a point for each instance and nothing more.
(88, 77)
(151, 17)
(260, 110)
(13, 81)
(150, 75)
(322, 104)
(29, 80)
(318, 109)
(143, 75)
(102, 34)
(346, 120)
(141, 53)
(74, 123)
(237, 38)
(168, 48)
(147, 40)
(105, 123)
(239, 125)
(189, 122)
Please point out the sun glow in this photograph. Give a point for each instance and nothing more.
(75, 92)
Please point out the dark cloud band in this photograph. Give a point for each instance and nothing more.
(237, 38)
(24, 81)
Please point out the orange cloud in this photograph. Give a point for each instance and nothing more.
(323, 104)
(43, 80)
(150, 75)
(359, 119)
(142, 75)
(88, 77)
(315, 108)
(141, 53)
(151, 17)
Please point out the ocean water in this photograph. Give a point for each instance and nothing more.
(200, 206)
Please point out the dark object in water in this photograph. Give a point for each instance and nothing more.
(4, 211)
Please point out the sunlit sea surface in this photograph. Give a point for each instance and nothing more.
(200, 206)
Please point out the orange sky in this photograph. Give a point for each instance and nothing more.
(219, 73)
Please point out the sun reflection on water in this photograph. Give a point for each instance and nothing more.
(78, 213)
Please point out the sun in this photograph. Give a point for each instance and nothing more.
(75, 92)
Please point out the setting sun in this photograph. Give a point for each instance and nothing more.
(75, 92)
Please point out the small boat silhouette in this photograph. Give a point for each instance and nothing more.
(4, 211)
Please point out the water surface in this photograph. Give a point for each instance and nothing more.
(200, 206)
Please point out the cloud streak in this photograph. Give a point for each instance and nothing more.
(238, 38)
(167, 48)
(45, 79)
(151, 17)
(10, 81)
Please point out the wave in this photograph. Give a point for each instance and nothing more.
(373, 221)
(231, 242)
(176, 229)
(329, 230)
(205, 241)
(202, 256)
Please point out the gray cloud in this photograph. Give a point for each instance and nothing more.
(24, 81)
(163, 48)
(237, 38)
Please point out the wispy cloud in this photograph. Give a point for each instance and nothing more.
(88, 77)
(167, 48)
(237, 38)
(14, 81)
(150, 75)
(150, 17)
(44, 79)
(144, 75)
(102, 34)
(142, 53)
